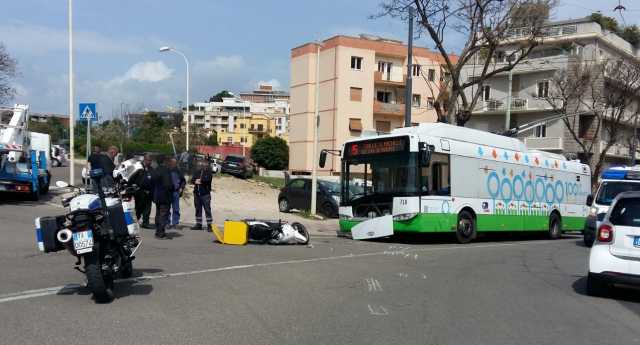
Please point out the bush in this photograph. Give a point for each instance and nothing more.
(271, 153)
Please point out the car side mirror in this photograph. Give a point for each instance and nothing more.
(589, 200)
(323, 158)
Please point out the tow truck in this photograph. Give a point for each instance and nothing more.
(24, 155)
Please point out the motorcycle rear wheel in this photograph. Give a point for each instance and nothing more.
(101, 286)
(302, 230)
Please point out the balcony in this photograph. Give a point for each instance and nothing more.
(258, 130)
(385, 79)
(617, 150)
(544, 143)
(394, 109)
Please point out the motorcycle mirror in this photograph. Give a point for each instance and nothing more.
(61, 184)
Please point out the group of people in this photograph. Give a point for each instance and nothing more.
(163, 186)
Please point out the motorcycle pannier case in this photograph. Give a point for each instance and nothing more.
(46, 233)
(117, 220)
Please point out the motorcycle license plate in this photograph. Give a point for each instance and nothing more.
(83, 241)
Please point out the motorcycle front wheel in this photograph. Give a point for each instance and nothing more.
(101, 286)
(302, 230)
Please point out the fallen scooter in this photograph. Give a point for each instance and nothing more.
(277, 232)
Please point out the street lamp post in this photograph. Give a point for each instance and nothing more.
(71, 103)
(316, 120)
(186, 61)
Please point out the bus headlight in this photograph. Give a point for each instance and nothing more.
(405, 216)
(593, 211)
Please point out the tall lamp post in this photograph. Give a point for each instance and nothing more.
(71, 104)
(186, 61)
(316, 120)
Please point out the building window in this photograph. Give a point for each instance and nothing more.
(415, 70)
(415, 100)
(260, 127)
(242, 125)
(541, 131)
(383, 96)
(486, 92)
(446, 76)
(543, 89)
(229, 139)
(355, 95)
(355, 125)
(356, 63)
(383, 126)
(500, 56)
(252, 126)
(430, 103)
(431, 74)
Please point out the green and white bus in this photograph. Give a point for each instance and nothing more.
(437, 177)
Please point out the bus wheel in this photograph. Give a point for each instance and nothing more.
(555, 226)
(466, 228)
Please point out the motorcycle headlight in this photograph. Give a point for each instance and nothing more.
(405, 216)
(593, 211)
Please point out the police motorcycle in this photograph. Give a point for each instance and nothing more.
(99, 229)
(277, 232)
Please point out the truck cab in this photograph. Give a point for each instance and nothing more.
(613, 181)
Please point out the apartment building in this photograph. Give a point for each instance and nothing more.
(273, 103)
(362, 88)
(580, 41)
(241, 122)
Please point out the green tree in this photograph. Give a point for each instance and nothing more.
(212, 140)
(218, 96)
(271, 153)
(153, 130)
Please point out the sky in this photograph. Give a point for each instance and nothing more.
(233, 45)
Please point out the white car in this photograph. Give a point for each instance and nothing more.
(615, 255)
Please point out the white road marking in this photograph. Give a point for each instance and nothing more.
(379, 311)
(373, 285)
(4, 298)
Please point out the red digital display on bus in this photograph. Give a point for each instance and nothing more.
(378, 146)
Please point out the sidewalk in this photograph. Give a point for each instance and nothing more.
(234, 199)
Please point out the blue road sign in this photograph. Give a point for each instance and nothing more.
(88, 111)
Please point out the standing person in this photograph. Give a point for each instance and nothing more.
(162, 197)
(201, 179)
(179, 182)
(144, 195)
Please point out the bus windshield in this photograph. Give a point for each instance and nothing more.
(395, 175)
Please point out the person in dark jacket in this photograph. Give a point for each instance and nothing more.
(201, 179)
(179, 182)
(144, 195)
(162, 196)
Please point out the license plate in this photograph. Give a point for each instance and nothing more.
(636, 241)
(83, 241)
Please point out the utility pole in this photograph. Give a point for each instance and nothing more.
(316, 124)
(72, 174)
(507, 120)
(408, 98)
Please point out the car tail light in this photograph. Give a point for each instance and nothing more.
(605, 233)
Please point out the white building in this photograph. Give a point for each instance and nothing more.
(565, 42)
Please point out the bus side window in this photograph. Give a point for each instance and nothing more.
(436, 178)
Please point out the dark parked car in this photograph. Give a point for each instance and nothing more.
(238, 166)
(297, 195)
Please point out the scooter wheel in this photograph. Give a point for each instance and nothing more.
(302, 230)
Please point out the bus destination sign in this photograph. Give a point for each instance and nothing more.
(378, 146)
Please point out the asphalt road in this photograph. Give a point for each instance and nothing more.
(420, 290)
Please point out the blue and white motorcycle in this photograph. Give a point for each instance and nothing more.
(99, 230)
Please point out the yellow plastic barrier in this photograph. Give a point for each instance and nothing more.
(234, 233)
